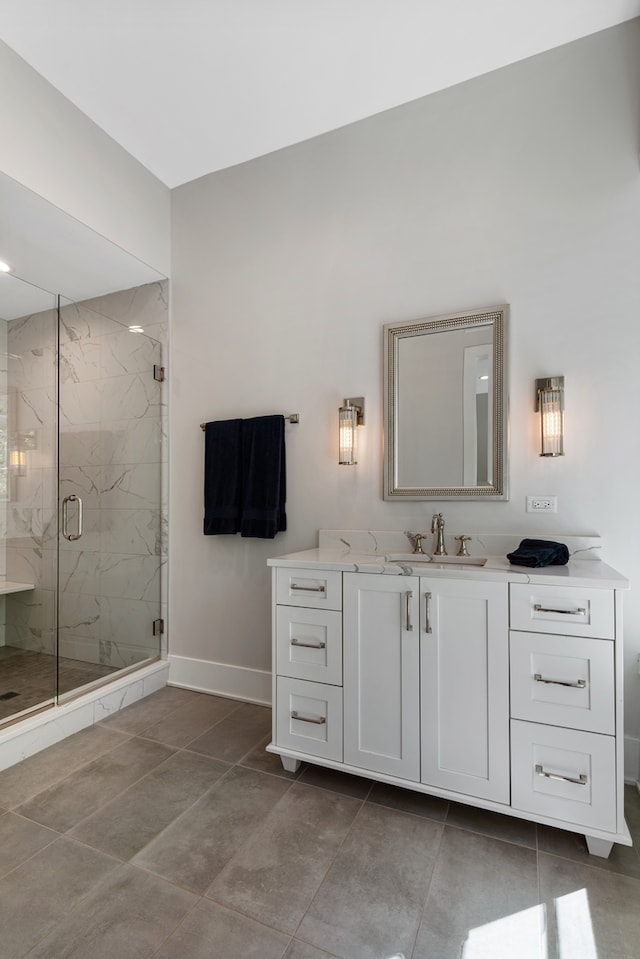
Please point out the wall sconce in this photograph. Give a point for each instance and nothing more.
(350, 415)
(550, 405)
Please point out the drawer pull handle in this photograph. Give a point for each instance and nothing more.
(309, 589)
(581, 611)
(565, 779)
(318, 721)
(408, 596)
(579, 683)
(320, 645)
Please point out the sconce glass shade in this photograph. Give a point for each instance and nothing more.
(550, 404)
(348, 422)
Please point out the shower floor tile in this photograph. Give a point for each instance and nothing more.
(31, 678)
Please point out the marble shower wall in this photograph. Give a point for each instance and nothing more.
(112, 454)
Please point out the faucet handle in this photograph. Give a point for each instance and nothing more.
(416, 539)
(463, 551)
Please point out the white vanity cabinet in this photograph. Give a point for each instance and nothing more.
(499, 688)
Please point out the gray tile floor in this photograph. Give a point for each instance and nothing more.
(167, 831)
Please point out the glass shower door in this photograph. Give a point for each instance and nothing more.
(111, 550)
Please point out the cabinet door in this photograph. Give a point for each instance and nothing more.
(381, 674)
(465, 686)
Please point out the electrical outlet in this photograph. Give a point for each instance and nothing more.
(542, 504)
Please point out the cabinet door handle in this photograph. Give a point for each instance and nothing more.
(579, 683)
(408, 596)
(581, 611)
(427, 612)
(308, 589)
(565, 779)
(320, 645)
(317, 720)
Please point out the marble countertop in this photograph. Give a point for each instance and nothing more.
(577, 572)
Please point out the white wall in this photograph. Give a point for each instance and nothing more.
(51, 147)
(521, 186)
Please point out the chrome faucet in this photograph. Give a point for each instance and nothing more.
(437, 526)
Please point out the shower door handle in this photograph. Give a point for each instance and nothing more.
(65, 517)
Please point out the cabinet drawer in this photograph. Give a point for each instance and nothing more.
(309, 644)
(309, 717)
(563, 681)
(564, 774)
(317, 588)
(569, 610)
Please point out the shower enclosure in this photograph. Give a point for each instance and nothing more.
(82, 427)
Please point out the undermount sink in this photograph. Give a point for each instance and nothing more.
(422, 559)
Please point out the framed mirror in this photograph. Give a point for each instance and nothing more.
(445, 407)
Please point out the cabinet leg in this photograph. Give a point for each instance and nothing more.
(599, 847)
(290, 765)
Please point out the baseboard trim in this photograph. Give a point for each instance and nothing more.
(221, 679)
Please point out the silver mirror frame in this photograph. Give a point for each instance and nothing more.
(497, 316)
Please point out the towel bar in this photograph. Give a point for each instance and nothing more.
(293, 418)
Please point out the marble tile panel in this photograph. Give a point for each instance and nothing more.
(65, 804)
(79, 362)
(128, 916)
(233, 737)
(35, 895)
(20, 839)
(129, 577)
(133, 441)
(136, 531)
(33, 409)
(589, 912)
(371, 900)
(80, 404)
(191, 721)
(124, 826)
(492, 824)
(131, 396)
(483, 901)
(193, 849)
(138, 306)
(274, 877)
(127, 620)
(35, 609)
(78, 571)
(132, 486)
(79, 616)
(120, 655)
(37, 639)
(83, 481)
(28, 491)
(79, 322)
(31, 566)
(128, 352)
(30, 527)
(33, 332)
(81, 445)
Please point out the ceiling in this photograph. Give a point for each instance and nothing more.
(192, 86)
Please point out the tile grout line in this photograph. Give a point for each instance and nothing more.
(429, 884)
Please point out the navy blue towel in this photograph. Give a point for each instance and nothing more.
(539, 552)
(264, 483)
(222, 477)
